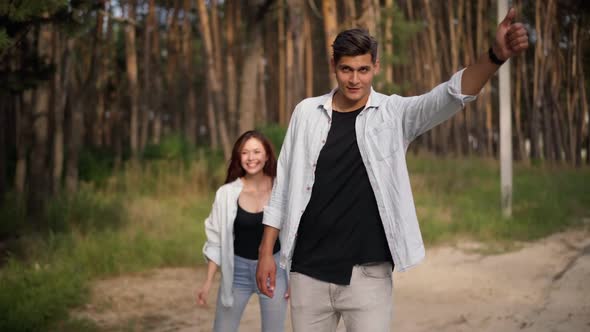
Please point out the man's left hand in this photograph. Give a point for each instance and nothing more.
(511, 38)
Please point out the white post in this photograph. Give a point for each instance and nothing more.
(505, 126)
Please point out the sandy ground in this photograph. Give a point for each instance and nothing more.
(543, 286)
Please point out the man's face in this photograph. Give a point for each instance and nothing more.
(355, 77)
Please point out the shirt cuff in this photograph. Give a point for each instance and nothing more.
(272, 217)
(454, 89)
(212, 253)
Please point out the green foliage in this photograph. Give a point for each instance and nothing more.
(18, 16)
(12, 216)
(458, 198)
(95, 165)
(4, 39)
(33, 295)
(171, 147)
(402, 31)
(85, 211)
(26, 10)
(276, 134)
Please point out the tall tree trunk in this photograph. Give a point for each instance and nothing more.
(213, 82)
(308, 40)
(158, 85)
(190, 116)
(132, 82)
(520, 146)
(61, 59)
(261, 87)
(248, 91)
(351, 15)
(388, 40)
(39, 183)
(548, 148)
(77, 102)
(172, 50)
(295, 53)
(230, 67)
(369, 18)
(98, 117)
(583, 110)
(4, 108)
(330, 31)
(282, 41)
(537, 84)
(212, 122)
(147, 89)
(23, 140)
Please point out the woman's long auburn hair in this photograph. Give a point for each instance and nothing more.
(235, 170)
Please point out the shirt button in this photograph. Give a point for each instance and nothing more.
(308, 188)
(323, 141)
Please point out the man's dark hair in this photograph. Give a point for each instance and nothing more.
(354, 42)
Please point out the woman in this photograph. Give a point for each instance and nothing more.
(234, 231)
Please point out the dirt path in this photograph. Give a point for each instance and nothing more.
(543, 287)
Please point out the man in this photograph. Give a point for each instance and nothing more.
(342, 198)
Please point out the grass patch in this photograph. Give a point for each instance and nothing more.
(146, 216)
(459, 198)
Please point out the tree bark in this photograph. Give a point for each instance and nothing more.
(282, 96)
(172, 50)
(369, 18)
(61, 59)
(583, 112)
(98, 118)
(132, 82)
(308, 40)
(76, 104)
(23, 140)
(248, 91)
(190, 116)
(388, 41)
(230, 67)
(38, 189)
(213, 82)
(330, 32)
(3, 143)
(148, 90)
(158, 85)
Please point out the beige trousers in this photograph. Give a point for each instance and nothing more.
(364, 305)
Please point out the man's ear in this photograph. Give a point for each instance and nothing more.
(332, 65)
(377, 66)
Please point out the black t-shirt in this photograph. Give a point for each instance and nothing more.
(248, 229)
(341, 226)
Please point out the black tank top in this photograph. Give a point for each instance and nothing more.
(248, 229)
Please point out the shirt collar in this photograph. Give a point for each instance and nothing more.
(327, 103)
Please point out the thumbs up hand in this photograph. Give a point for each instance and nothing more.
(511, 38)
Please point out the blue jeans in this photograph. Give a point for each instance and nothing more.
(272, 310)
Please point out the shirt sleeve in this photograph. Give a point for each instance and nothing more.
(213, 224)
(276, 210)
(422, 113)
